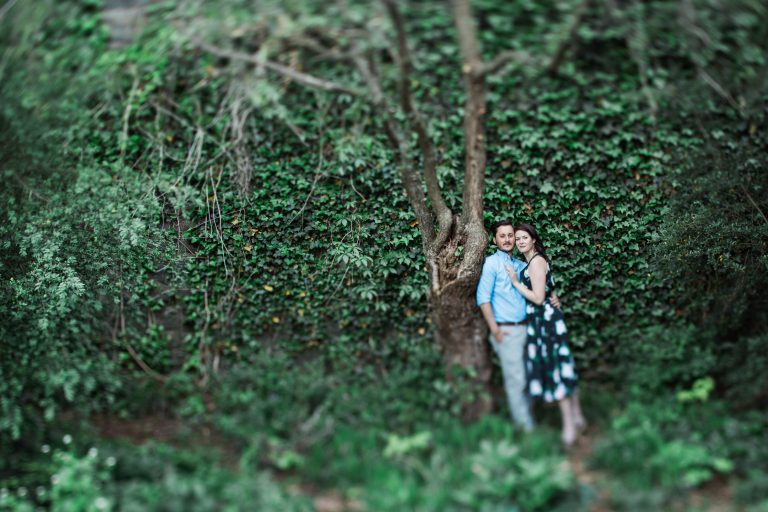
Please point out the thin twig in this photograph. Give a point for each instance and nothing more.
(298, 76)
(757, 207)
(504, 58)
(306, 201)
(7, 7)
(719, 89)
(144, 366)
(565, 43)
(127, 115)
(688, 21)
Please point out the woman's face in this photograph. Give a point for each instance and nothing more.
(523, 241)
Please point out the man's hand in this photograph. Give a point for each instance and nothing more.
(555, 301)
(497, 333)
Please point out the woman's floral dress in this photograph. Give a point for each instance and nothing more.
(548, 360)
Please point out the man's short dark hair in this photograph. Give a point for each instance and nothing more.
(503, 222)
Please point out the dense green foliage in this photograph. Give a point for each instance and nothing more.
(194, 235)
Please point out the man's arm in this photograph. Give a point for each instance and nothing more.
(492, 325)
(484, 293)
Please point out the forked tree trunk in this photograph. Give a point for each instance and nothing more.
(461, 336)
(460, 329)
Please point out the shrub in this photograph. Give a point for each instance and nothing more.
(152, 477)
(446, 466)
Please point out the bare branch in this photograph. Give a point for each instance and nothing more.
(7, 7)
(474, 109)
(565, 43)
(506, 57)
(408, 174)
(498, 64)
(757, 207)
(127, 114)
(298, 76)
(688, 22)
(443, 213)
(311, 43)
(720, 90)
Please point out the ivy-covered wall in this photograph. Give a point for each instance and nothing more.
(200, 210)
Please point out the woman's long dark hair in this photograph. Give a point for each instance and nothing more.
(538, 245)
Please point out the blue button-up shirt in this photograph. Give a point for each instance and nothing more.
(495, 286)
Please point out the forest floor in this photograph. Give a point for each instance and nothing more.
(717, 496)
(164, 429)
(578, 457)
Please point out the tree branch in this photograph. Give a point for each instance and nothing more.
(471, 225)
(7, 7)
(565, 43)
(442, 212)
(474, 109)
(688, 21)
(504, 58)
(408, 174)
(719, 89)
(298, 76)
(311, 43)
(757, 207)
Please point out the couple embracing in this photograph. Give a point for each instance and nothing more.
(527, 327)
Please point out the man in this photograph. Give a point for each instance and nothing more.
(504, 311)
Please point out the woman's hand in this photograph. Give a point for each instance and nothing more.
(512, 275)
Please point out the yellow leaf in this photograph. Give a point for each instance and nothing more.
(268, 288)
(302, 295)
(248, 248)
(275, 319)
(422, 331)
(236, 222)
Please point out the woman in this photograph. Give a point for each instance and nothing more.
(549, 364)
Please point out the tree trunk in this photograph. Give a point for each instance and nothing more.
(460, 330)
(461, 335)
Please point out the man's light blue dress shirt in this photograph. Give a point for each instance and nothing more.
(495, 286)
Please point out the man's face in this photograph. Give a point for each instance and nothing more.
(505, 238)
